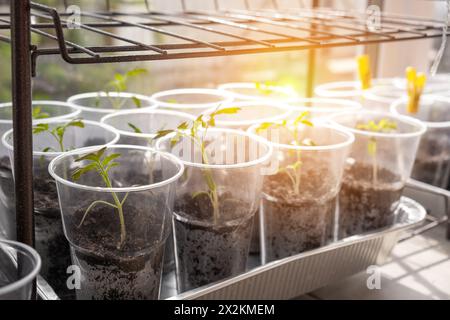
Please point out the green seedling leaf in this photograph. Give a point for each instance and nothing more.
(135, 72)
(110, 158)
(163, 133)
(199, 193)
(39, 128)
(135, 129)
(39, 114)
(137, 102)
(230, 110)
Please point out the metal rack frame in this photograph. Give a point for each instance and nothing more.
(308, 29)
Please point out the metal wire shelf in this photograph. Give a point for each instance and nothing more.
(233, 32)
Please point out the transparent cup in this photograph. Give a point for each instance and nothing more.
(149, 122)
(432, 163)
(119, 255)
(50, 241)
(19, 266)
(245, 91)
(95, 105)
(191, 100)
(322, 108)
(299, 200)
(215, 204)
(250, 113)
(436, 84)
(53, 110)
(376, 172)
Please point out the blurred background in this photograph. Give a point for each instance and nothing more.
(57, 80)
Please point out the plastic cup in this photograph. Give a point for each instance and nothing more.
(19, 266)
(54, 110)
(376, 171)
(252, 112)
(149, 122)
(299, 197)
(95, 105)
(245, 91)
(191, 100)
(112, 266)
(50, 240)
(322, 108)
(432, 163)
(212, 230)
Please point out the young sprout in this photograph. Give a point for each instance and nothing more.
(57, 133)
(197, 132)
(384, 125)
(293, 170)
(264, 88)
(364, 73)
(39, 114)
(415, 83)
(120, 84)
(102, 164)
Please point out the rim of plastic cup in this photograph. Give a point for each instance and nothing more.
(334, 89)
(350, 139)
(103, 94)
(351, 105)
(225, 98)
(31, 275)
(236, 123)
(116, 138)
(372, 94)
(70, 115)
(246, 164)
(228, 87)
(437, 83)
(86, 150)
(153, 111)
(330, 89)
(409, 120)
(431, 98)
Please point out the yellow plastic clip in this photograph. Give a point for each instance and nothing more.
(415, 83)
(365, 76)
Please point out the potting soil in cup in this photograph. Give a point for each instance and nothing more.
(295, 223)
(206, 251)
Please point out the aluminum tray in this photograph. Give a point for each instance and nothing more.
(303, 273)
(291, 277)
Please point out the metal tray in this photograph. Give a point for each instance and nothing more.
(291, 277)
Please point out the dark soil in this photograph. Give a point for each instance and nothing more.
(364, 206)
(51, 242)
(207, 252)
(7, 200)
(432, 163)
(132, 272)
(295, 223)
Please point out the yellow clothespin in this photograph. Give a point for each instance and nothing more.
(365, 76)
(415, 83)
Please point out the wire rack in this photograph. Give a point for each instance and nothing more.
(190, 34)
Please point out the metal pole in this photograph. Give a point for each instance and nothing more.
(21, 98)
(311, 62)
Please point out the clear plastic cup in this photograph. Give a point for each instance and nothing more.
(19, 266)
(50, 240)
(436, 84)
(377, 169)
(212, 230)
(250, 113)
(53, 110)
(300, 196)
(322, 108)
(95, 105)
(245, 91)
(191, 100)
(432, 163)
(118, 263)
(380, 98)
(149, 122)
